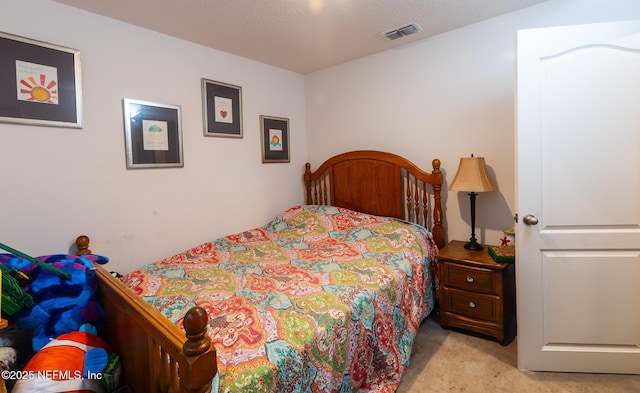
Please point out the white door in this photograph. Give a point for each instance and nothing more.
(578, 176)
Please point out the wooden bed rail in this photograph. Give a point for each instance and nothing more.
(156, 355)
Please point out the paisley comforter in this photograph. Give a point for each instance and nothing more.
(321, 299)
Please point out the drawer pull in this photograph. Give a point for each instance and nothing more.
(472, 305)
(470, 279)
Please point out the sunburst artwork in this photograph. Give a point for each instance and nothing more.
(275, 140)
(40, 83)
(37, 82)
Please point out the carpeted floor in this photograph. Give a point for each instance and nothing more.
(449, 361)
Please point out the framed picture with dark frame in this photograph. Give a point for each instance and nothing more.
(222, 109)
(153, 134)
(274, 133)
(39, 83)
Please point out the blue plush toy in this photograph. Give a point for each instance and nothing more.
(61, 305)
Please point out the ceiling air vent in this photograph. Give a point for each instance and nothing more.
(402, 31)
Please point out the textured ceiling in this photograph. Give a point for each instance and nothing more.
(299, 35)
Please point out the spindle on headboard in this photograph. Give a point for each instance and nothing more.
(438, 226)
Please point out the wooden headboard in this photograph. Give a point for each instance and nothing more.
(379, 183)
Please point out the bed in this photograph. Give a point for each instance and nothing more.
(326, 297)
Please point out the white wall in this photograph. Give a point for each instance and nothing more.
(58, 183)
(445, 97)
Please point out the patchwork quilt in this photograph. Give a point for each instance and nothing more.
(321, 299)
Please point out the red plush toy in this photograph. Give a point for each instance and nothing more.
(74, 362)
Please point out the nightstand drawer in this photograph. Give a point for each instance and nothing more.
(471, 278)
(486, 307)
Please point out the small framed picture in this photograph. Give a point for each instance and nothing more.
(39, 83)
(275, 138)
(222, 109)
(153, 134)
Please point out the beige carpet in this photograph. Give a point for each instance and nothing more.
(449, 361)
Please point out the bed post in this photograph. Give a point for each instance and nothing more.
(199, 375)
(307, 182)
(82, 243)
(438, 228)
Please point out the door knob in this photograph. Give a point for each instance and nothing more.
(530, 219)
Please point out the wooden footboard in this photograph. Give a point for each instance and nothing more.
(156, 355)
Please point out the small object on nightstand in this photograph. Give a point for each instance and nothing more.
(510, 235)
(504, 254)
(477, 294)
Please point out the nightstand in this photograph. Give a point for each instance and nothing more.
(476, 293)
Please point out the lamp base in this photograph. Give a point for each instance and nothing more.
(473, 242)
(473, 245)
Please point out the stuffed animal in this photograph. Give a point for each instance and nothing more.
(78, 361)
(15, 350)
(61, 305)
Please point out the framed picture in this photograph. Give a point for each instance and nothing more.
(39, 83)
(275, 138)
(153, 134)
(222, 109)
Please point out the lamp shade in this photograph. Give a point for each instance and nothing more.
(472, 176)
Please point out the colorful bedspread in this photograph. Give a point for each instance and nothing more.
(320, 299)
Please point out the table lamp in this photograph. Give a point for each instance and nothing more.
(473, 178)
